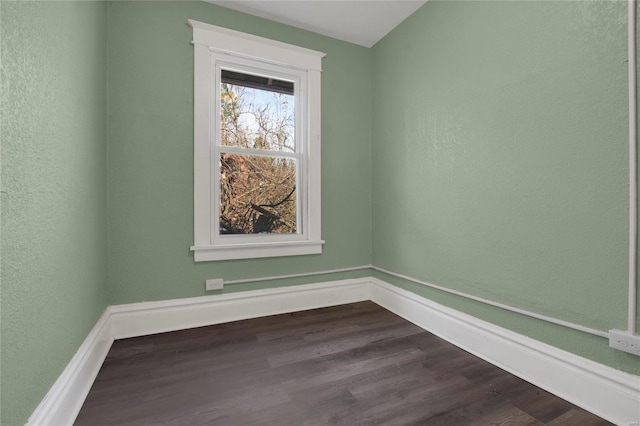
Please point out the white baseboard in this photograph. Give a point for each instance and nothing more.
(606, 392)
(62, 403)
(609, 393)
(139, 319)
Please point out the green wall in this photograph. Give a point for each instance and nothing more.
(53, 118)
(150, 153)
(500, 162)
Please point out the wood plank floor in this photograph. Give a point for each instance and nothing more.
(355, 364)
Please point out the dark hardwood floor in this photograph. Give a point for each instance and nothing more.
(354, 364)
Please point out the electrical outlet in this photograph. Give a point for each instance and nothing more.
(214, 284)
(624, 341)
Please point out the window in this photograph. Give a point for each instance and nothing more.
(256, 146)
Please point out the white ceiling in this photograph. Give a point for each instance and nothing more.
(362, 22)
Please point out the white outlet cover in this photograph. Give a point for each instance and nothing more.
(214, 284)
(624, 341)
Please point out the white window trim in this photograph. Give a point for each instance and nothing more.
(209, 42)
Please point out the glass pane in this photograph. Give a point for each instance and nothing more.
(257, 194)
(256, 112)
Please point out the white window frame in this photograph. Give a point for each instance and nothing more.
(215, 47)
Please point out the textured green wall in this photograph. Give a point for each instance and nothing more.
(53, 117)
(150, 153)
(500, 162)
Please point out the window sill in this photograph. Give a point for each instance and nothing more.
(256, 250)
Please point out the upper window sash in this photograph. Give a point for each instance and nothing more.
(298, 77)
